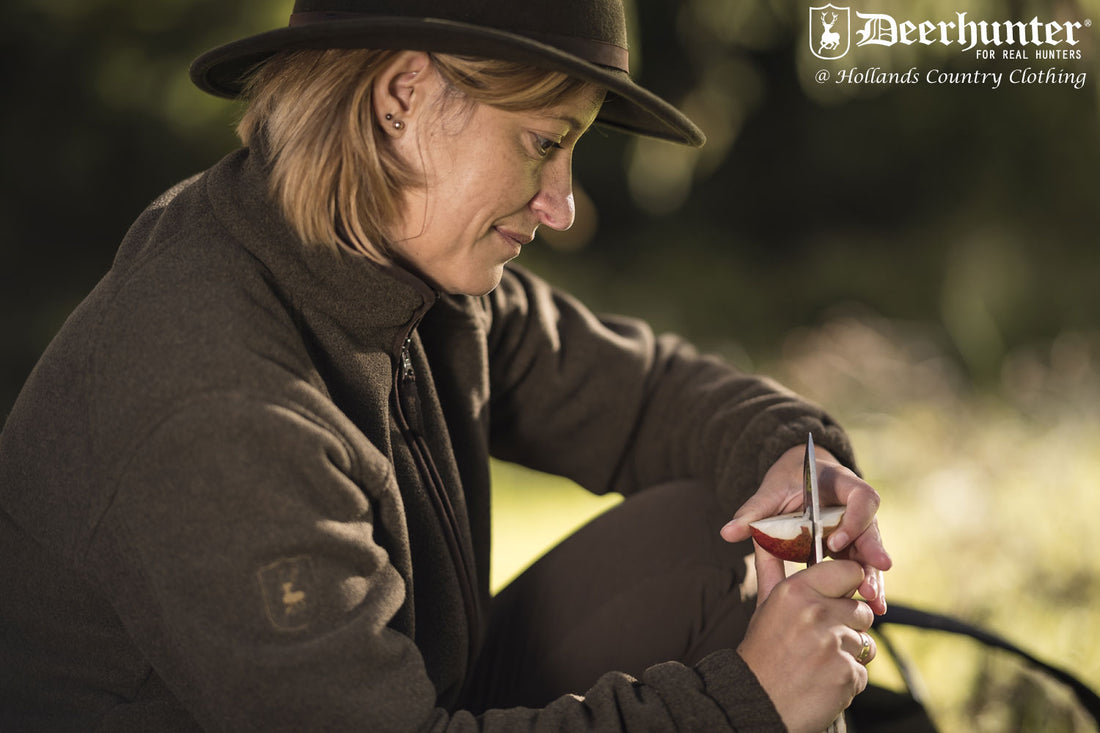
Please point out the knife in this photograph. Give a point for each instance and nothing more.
(811, 511)
(811, 503)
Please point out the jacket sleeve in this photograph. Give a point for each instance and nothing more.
(242, 552)
(245, 554)
(608, 404)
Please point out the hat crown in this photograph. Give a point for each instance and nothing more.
(602, 21)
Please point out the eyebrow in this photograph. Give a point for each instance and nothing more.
(571, 121)
(575, 125)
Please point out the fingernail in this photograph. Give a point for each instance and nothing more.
(837, 541)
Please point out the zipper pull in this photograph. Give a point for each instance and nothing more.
(408, 374)
(407, 392)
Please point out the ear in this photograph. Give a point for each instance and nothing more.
(403, 91)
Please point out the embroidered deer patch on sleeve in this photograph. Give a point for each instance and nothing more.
(289, 592)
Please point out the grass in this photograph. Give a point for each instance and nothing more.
(990, 509)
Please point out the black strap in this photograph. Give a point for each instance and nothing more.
(907, 616)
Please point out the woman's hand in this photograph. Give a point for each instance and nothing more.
(857, 538)
(807, 644)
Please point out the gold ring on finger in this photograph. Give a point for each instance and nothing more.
(864, 655)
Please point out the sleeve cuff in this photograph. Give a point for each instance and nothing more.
(731, 683)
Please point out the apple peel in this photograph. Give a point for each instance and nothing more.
(787, 536)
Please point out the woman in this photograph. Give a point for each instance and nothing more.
(247, 486)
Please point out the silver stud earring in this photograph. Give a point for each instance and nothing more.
(398, 124)
(389, 117)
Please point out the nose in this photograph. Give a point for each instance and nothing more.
(553, 204)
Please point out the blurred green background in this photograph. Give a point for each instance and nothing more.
(921, 259)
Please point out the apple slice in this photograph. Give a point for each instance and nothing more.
(787, 536)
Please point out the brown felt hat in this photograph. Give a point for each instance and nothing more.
(584, 38)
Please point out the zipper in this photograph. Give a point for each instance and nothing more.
(409, 422)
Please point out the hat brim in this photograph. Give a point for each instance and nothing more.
(628, 107)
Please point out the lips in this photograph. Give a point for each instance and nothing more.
(517, 237)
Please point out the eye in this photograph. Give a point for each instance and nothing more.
(545, 145)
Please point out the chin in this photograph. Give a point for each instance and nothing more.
(478, 284)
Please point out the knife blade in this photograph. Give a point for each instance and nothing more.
(811, 503)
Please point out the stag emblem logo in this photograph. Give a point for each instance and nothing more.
(830, 31)
(289, 592)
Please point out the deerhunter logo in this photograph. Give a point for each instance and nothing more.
(835, 31)
(830, 28)
(829, 39)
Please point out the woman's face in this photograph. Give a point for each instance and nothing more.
(488, 178)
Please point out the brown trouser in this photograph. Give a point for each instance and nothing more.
(648, 581)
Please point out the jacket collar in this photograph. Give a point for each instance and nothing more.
(374, 305)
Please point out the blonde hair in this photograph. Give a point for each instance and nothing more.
(333, 174)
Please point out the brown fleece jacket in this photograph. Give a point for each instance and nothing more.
(247, 486)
